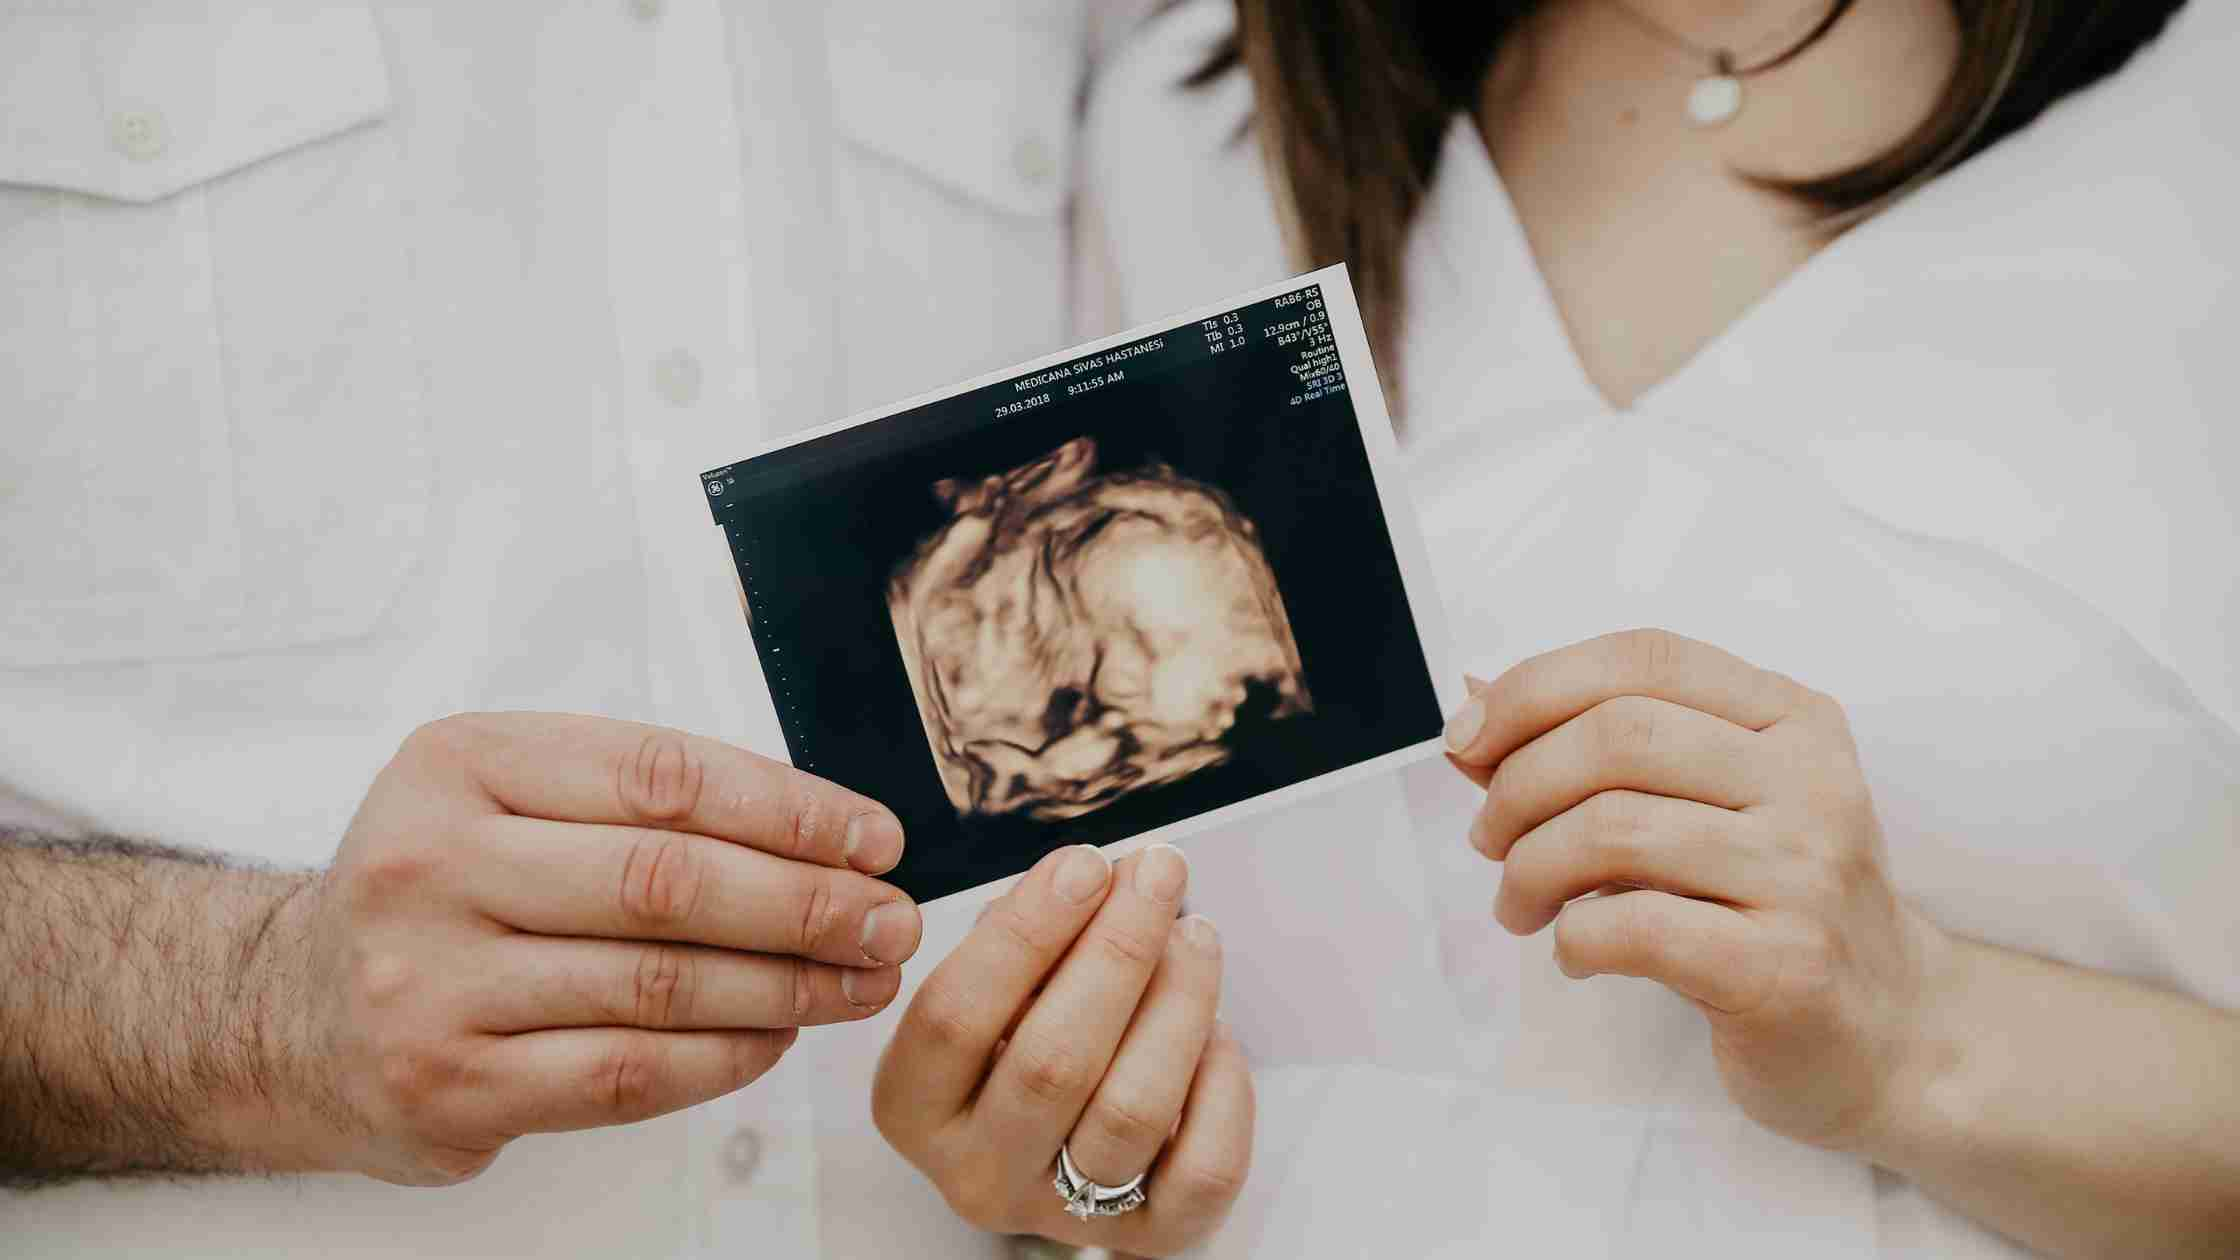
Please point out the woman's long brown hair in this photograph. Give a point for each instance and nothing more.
(1354, 98)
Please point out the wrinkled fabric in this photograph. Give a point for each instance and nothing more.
(358, 362)
(1971, 471)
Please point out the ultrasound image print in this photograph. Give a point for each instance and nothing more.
(1072, 638)
(1086, 600)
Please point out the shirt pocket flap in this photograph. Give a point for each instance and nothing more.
(983, 107)
(135, 104)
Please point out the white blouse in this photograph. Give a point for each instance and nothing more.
(1974, 470)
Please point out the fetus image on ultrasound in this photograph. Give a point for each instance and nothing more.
(1074, 637)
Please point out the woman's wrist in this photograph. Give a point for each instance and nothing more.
(1936, 1084)
(2081, 1113)
(1930, 1091)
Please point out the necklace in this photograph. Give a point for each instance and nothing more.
(1716, 97)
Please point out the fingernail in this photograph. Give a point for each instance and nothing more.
(1475, 683)
(1082, 874)
(890, 932)
(1465, 724)
(1161, 872)
(1199, 931)
(873, 844)
(869, 986)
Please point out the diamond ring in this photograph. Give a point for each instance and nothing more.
(1085, 1198)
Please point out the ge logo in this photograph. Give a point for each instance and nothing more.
(715, 488)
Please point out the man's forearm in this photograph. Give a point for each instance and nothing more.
(139, 992)
(2081, 1113)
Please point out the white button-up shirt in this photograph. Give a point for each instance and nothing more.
(1972, 470)
(357, 363)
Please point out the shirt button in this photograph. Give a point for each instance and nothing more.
(742, 1155)
(646, 10)
(1034, 161)
(676, 377)
(139, 135)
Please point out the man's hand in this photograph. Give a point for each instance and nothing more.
(535, 923)
(540, 922)
(1078, 1011)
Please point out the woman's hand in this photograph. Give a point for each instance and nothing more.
(1721, 811)
(1078, 1011)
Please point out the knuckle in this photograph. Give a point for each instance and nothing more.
(974, 1192)
(1759, 838)
(1654, 653)
(808, 820)
(446, 739)
(941, 1018)
(803, 977)
(1128, 947)
(662, 877)
(622, 1079)
(1635, 937)
(1617, 829)
(1627, 728)
(396, 872)
(383, 977)
(1018, 932)
(1049, 1073)
(817, 912)
(1126, 1122)
(1608, 934)
(414, 1075)
(1822, 705)
(1203, 1187)
(661, 987)
(661, 781)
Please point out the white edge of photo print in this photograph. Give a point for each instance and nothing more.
(1403, 529)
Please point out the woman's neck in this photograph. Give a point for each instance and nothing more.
(1647, 229)
(1859, 87)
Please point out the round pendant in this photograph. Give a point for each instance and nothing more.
(1714, 99)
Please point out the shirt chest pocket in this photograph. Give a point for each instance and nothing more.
(211, 442)
(958, 127)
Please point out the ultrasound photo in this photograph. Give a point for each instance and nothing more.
(1117, 596)
(1073, 636)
